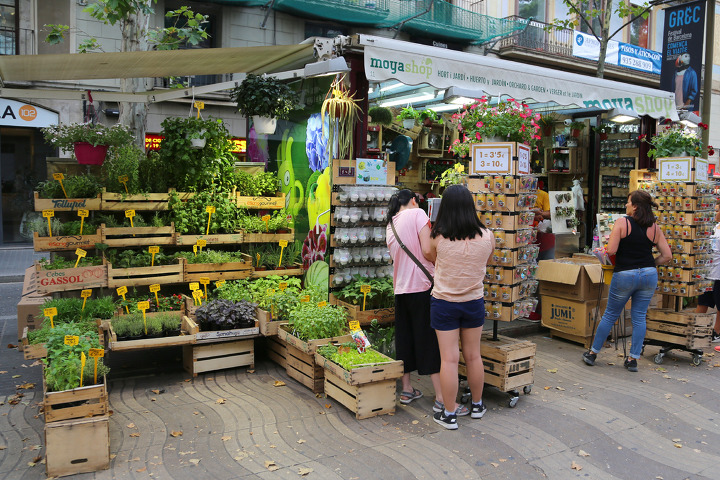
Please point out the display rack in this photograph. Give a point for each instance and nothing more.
(618, 156)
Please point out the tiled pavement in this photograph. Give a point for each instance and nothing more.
(14, 260)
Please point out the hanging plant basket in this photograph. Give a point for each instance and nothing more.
(264, 125)
(575, 132)
(89, 154)
(197, 143)
(547, 130)
(408, 123)
(603, 136)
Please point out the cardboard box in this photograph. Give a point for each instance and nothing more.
(29, 314)
(568, 316)
(29, 282)
(572, 279)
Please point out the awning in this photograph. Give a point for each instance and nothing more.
(415, 64)
(163, 63)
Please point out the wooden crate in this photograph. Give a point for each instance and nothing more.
(66, 204)
(136, 276)
(388, 370)
(301, 366)
(268, 326)
(355, 312)
(277, 350)
(509, 363)
(142, 201)
(39, 350)
(63, 405)
(64, 279)
(79, 446)
(193, 272)
(211, 239)
(262, 203)
(585, 341)
(218, 355)
(138, 236)
(311, 345)
(222, 334)
(294, 271)
(267, 237)
(684, 328)
(688, 341)
(366, 400)
(188, 330)
(66, 242)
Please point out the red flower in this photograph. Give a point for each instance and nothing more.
(642, 136)
(478, 136)
(703, 125)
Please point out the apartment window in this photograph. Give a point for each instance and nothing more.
(8, 27)
(532, 8)
(639, 31)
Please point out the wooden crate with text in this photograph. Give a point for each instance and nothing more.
(365, 317)
(509, 363)
(77, 446)
(66, 242)
(687, 329)
(137, 276)
(193, 272)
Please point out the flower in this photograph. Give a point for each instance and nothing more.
(511, 120)
(314, 247)
(675, 140)
(316, 143)
(64, 136)
(453, 176)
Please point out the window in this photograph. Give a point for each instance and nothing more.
(532, 8)
(639, 31)
(8, 27)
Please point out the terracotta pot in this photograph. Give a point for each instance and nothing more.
(575, 132)
(603, 136)
(88, 154)
(260, 269)
(428, 122)
(547, 130)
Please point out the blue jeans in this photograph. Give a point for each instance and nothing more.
(639, 284)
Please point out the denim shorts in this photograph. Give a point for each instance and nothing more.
(446, 315)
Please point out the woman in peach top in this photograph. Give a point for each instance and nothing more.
(460, 246)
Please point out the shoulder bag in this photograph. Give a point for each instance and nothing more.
(410, 254)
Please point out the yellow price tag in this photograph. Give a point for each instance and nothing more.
(266, 219)
(204, 281)
(283, 243)
(80, 254)
(199, 105)
(48, 213)
(195, 248)
(365, 288)
(197, 293)
(143, 305)
(122, 291)
(219, 283)
(282, 286)
(210, 209)
(201, 243)
(194, 286)
(71, 340)
(354, 325)
(305, 298)
(83, 359)
(83, 214)
(50, 312)
(86, 293)
(322, 304)
(58, 176)
(123, 178)
(129, 213)
(96, 352)
(270, 291)
(154, 288)
(154, 249)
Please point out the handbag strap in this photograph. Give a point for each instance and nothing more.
(410, 254)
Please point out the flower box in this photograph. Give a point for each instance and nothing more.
(188, 330)
(366, 391)
(355, 312)
(267, 237)
(142, 202)
(66, 204)
(81, 402)
(38, 350)
(136, 276)
(77, 446)
(211, 355)
(262, 203)
(64, 279)
(66, 242)
(138, 236)
(211, 239)
(193, 272)
(295, 271)
(221, 334)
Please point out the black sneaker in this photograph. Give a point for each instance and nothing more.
(447, 421)
(631, 365)
(477, 410)
(715, 337)
(589, 358)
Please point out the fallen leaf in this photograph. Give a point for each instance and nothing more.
(575, 466)
(26, 386)
(37, 459)
(140, 470)
(415, 422)
(156, 391)
(221, 401)
(225, 438)
(273, 446)
(10, 345)
(251, 371)
(153, 399)
(3, 372)
(194, 461)
(552, 370)
(131, 425)
(136, 434)
(583, 453)
(34, 364)
(677, 445)
(31, 464)
(16, 376)
(677, 440)
(560, 388)
(547, 388)
(327, 405)
(176, 433)
(494, 464)
(668, 395)
(301, 441)
(302, 471)
(196, 413)
(3, 447)
(279, 383)
(583, 408)
(502, 460)
(186, 453)
(270, 465)
(609, 363)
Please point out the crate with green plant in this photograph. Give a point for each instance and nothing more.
(69, 193)
(67, 235)
(215, 265)
(64, 274)
(221, 318)
(148, 229)
(161, 329)
(259, 191)
(140, 267)
(275, 306)
(377, 303)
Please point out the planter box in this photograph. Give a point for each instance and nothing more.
(222, 334)
(262, 203)
(277, 351)
(268, 326)
(135, 276)
(66, 204)
(60, 406)
(66, 242)
(212, 239)
(355, 312)
(188, 329)
(77, 446)
(64, 279)
(311, 345)
(218, 355)
(366, 391)
(143, 201)
(138, 236)
(193, 272)
(297, 270)
(39, 350)
(268, 237)
(509, 363)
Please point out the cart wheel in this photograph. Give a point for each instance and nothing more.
(513, 402)
(465, 397)
(659, 358)
(697, 359)
(527, 389)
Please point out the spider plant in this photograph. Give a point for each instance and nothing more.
(341, 107)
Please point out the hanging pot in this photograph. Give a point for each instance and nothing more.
(408, 123)
(88, 154)
(264, 125)
(428, 122)
(197, 143)
(547, 130)
(575, 132)
(603, 136)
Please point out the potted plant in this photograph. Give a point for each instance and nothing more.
(265, 99)
(195, 132)
(576, 128)
(380, 115)
(224, 314)
(428, 117)
(547, 123)
(89, 142)
(340, 105)
(408, 116)
(603, 130)
(676, 141)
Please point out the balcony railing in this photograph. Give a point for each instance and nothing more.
(17, 42)
(534, 37)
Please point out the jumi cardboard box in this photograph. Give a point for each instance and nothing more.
(30, 306)
(579, 280)
(575, 318)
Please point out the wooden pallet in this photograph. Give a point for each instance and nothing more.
(218, 355)
(138, 236)
(301, 366)
(78, 446)
(63, 405)
(66, 242)
(136, 276)
(66, 204)
(365, 400)
(365, 317)
(277, 350)
(193, 272)
(262, 203)
(579, 339)
(188, 330)
(142, 201)
(64, 279)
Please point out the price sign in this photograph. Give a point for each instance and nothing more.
(194, 286)
(199, 105)
(204, 281)
(283, 244)
(80, 254)
(143, 305)
(124, 179)
(491, 158)
(270, 291)
(305, 298)
(197, 295)
(266, 219)
(83, 359)
(155, 288)
(201, 243)
(122, 291)
(219, 283)
(50, 313)
(85, 294)
(322, 304)
(523, 154)
(96, 352)
(153, 250)
(71, 340)
(195, 249)
(365, 289)
(354, 326)
(210, 210)
(282, 286)
(49, 214)
(83, 214)
(674, 169)
(130, 214)
(60, 177)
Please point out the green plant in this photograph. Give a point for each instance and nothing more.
(603, 128)
(279, 220)
(349, 357)
(429, 116)
(381, 294)
(58, 262)
(292, 253)
(408, 113)
(123, 161)
(76, 186)
(132, 258)
(224, 314)
(73, 227)
(548, 119)
(190, 216)
(676, 140)
(264, 96)
(170, 324)
(308, 321)
(266, 183)
(380, 115)
(39, 224)
(211, 256)
(257, 253)
(63, 364)
(149, 180)
(341, 107)
(382, 338)
(577, 125)
(64, 136)
(453, 176)
(154, 326)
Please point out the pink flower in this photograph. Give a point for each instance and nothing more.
(478, 136)
(479, 124)
(537, 137)
(522, 127)
(537, 117)
(483, 99)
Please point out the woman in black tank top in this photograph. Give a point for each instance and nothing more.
(632, 240)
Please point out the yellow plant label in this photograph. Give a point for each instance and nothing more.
(59, 176)
(86, 293)
(96, 352)
(71, 340)
(123, 178)
(129, 213)
(365, 288)
(210, 209)
(201, 243)
(195, 247)
(283, 243)
(194, 286)
(219, 283)
(322, 304)
(354, 326)
(83, 359)
(83, 213)
(121, 291)
(305, 298)
(155, 288)
(50, 312)
(270, 291)
(80, 252)
(282, 286)
(265, 218)
(143, 305)
(204, 281)
(197, 294)
(154, 249)
(199, 105)
(48, 213)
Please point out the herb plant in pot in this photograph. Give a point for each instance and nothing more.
(195, 132)
(265, 99)
(603, 130)
(547, 123)
(408, 116)
(226, 315)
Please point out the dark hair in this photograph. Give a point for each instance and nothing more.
(399, 199)
(643, 213)
(457, 219)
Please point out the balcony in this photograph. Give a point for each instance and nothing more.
(554, 49)
(17, 42)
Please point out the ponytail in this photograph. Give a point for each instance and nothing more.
(398, 200)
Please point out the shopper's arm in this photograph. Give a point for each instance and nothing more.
(427, 244)
(663, 248)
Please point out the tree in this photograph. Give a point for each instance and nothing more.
(133, 18)
(595, 15)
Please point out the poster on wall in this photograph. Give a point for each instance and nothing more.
(683, 40)
(371, 171)
(562, 212)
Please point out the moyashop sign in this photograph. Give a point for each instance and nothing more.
(19, 114)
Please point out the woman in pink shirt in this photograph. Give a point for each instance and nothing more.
(415, 342)
(460, 246)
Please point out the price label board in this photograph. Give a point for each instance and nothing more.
(204, 281)
(71, 340)
(322, 304)
(86, 293)
(59, 176)
(155, 288)
(491, 158)
(96, 352)
(122, 291)
(305, 298)
(50, 312)
(283, 243)
(675, 169)
(210, 209)
(48, 213)
(219, 283)
(523, 154)
(194, 286)
(83, 213)
(282, 286)
(201, 243)
(80, 252)
(197, 294)
(143, 305)
(129, 213)
(123, 179)
(154, 249)
(365, 288)
(354, 325)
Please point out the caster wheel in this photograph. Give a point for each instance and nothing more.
(697, 360)
(659, 358)
(527, 389)
(513, 402)
(464, 398)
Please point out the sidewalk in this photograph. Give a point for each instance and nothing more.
(14, 259)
